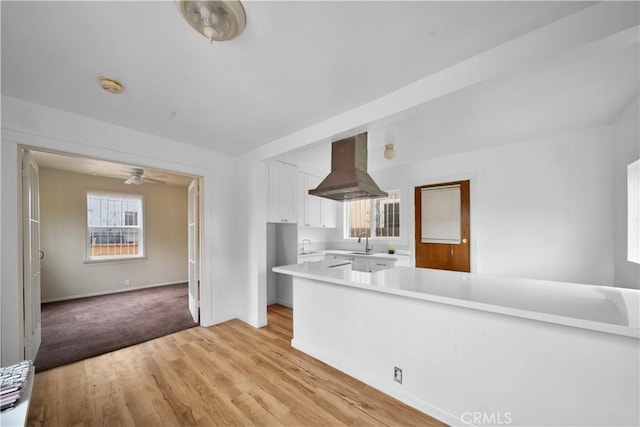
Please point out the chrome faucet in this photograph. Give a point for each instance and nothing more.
(305, 240)
(367, 249)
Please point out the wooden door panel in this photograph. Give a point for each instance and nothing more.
(444, 256)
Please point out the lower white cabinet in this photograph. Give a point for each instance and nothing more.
(376, 265)
(310, 258)
(370, 265)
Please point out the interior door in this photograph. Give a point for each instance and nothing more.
(442, 226)
(32, 255)
(194, 251)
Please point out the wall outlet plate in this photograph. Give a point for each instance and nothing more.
(127, 282)
(397, 374)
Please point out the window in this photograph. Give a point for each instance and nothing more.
(441, 214)
(114, 226)
(373, 217)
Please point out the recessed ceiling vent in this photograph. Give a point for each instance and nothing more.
(349, 179)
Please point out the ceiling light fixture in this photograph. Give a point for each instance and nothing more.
(215, 19)
(135, 180)
(389, 151)
(111, 85)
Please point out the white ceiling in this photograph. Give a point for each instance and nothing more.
(573, 96)
(299, 63)
(104, 169)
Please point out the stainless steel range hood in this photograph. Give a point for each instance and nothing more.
(349, 179)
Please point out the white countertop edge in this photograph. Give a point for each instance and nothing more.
(508, 311)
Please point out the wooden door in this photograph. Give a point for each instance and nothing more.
(32, 255)
(194, 250)
(449, 252)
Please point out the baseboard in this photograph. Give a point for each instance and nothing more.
(414, 402)
(285, 303)
(218, 320)
(115, 291)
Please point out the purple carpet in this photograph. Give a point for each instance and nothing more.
(81, 328)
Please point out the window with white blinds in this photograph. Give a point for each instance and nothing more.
(441, 214)
(114, 226)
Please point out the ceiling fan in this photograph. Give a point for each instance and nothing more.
(137, 176)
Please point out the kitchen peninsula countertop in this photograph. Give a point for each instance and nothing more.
(599, 308)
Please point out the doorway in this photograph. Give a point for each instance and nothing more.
(443, 226)
(69, 239)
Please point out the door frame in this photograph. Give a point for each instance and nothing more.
(31, 256)
(473, 206)
(201, 176)
(194, 249)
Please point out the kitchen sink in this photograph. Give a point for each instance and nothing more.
(361, 253)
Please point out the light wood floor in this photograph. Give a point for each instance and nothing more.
(229, 374)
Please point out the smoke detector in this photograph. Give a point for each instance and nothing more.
(111, 85)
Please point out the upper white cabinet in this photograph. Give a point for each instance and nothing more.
(314, 211)
(282, 193)
(308, 205)
(328, 212)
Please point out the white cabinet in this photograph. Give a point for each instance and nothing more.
(311, 258)
(377, 265)
(314, 211)
(328, 215)
(309, 207)
(282, 193)
(367, 264)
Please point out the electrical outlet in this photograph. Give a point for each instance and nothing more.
(127, 282)
(397, 374)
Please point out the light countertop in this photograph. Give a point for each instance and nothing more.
(600, 308)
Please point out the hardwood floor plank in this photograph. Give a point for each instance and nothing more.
(228, 374)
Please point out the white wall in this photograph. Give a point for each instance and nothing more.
(626, 150)
(63, 236)
(539, 209)
(317, 236)
(286, 253)
(272, 278)
(456, 361)
(46, 128)
(249, 242)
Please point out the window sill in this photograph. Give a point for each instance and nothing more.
(114, 260)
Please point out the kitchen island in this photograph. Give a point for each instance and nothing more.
(474, 348)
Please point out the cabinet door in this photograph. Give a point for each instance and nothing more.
(312, 204)
(282, 193)
(289, 190)
(302, 200)
(328, 213)
(360, 264)
(332, 257)
(274, 199)
(375, 265)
